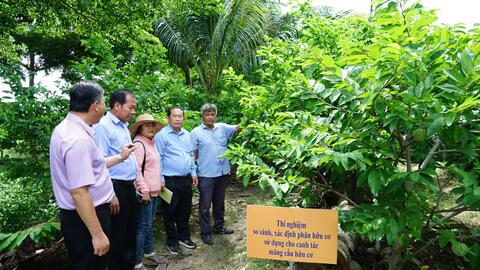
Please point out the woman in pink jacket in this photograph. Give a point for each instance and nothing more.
(147, 184)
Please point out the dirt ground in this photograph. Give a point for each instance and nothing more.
(228, 251)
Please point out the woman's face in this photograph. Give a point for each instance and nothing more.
(148, 130)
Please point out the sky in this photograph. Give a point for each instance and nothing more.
(448, 12)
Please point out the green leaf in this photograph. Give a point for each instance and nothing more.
(468, 178)
(454, 75)
(307, 196)
(445, 237)
(449, 118)
(362, 178)
(328, 61)
(466, 62)
(275, 187)
(419, 90)
(284, 187)
(467, 104)
(468, 152)
(340, 158)
(435, 126)
(473, 257)
(460, 249)
(450, 88)
(424, 179)
(374, 181)
(246, 180)
(8, 241)
(392, 230)
(262, 182)
(471, 199)
(20, 239)
(415, 176)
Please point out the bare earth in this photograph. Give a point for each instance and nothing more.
(228, 251)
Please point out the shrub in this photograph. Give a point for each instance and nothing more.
(25, 202)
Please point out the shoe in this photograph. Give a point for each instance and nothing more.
(154, 258)
(174, 249)
(187, 243)
(140, 266)
(223, 231)
(207, 239)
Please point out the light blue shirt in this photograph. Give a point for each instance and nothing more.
(110, 135)
(210, 144)
(176, 153)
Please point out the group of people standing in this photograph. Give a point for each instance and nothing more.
(108, 196)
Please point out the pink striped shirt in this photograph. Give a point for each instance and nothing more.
(150, 181)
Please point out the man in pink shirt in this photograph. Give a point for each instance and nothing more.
(81, 183)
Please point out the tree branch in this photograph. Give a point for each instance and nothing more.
(403, 16)
(453, 209)
(330, 188)
(453, 151)
(428, 244)
(451, 215)
(437, 203)
(431, 153)
(408, 155)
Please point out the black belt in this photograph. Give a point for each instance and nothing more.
(178, 176)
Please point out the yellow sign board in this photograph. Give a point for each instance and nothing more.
(292, 234)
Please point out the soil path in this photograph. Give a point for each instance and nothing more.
(228, 251)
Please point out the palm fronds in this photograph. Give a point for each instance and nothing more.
(211, 43)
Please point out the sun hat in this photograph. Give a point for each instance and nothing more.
(143, 119)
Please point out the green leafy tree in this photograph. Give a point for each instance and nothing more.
(45, 35)
(370, 112)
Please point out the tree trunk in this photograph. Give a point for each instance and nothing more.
(31, 70)
(188, 78)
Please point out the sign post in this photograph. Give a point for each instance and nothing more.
(292, 234)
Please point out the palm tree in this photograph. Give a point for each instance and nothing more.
(212, 43)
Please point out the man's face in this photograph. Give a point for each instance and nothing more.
(99, 109)
(126, 111)
(175, 120)
(209, 118)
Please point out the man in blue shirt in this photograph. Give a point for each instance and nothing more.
(209, 142)
(177, 168)
(110, 134)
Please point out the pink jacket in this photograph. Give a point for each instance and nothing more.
(149, 182)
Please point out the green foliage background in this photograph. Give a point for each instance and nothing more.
(339, 107)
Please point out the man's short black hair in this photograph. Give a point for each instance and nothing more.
(83, 95)
(119, 96)
(171, 108)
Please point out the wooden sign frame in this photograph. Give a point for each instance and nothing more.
(292, 234)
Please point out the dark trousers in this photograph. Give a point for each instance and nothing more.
(177, 213)
(124, 228)
(212, 191)
(78, 240)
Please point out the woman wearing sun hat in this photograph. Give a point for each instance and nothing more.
(147, 184)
